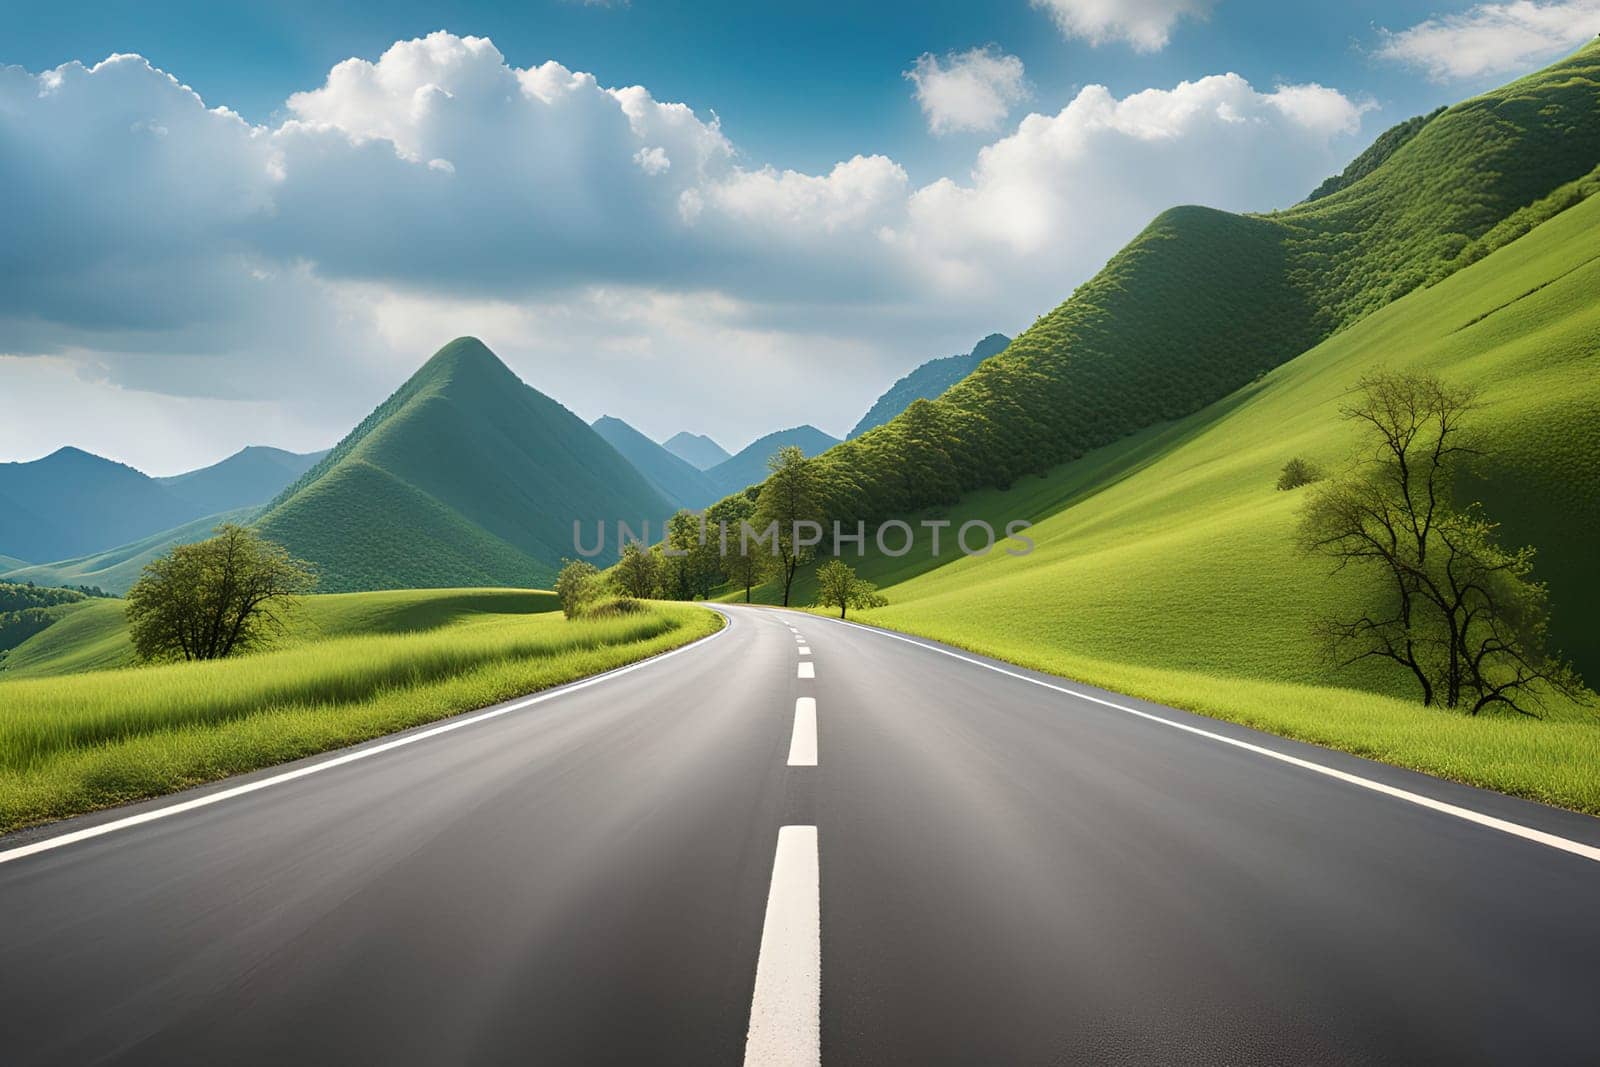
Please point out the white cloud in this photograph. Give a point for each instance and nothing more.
(1066, 190)
(1494, 38)
(312, 264)
(970, 91)
(653, 160)
(1144, 24)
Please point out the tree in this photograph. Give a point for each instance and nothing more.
(1460, 613)
(838, 587)
(787, 501)
(638, 572)
(742, 563)
(690, 562)
(576, 585)
(215, 597)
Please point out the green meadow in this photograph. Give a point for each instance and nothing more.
(1166, 568)
(79, 732)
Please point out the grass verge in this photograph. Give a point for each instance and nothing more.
(74, 744)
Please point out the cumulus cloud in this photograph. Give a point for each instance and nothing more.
(164, 247)
(1493, 38)
(970, 91)
(1144, 24)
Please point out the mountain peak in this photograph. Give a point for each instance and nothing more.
(465, 357)
(696, 449)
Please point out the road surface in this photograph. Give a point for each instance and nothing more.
(801, 839)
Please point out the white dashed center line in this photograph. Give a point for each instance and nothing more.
(803, 743)
(807, 670)
(786, 1010)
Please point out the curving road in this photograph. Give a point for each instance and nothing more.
(910, 856)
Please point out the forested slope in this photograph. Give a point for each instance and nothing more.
(1203, 301)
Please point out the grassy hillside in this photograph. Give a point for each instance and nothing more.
(749, 465)
(1203, 302)
(695, 449)
(11, 563)
(379, 663)
(928, 381)
(1165, 564)
(465, 476)
(94, 634)
(71, 503)
(677, 480)
(116, 569)
(27, 610)
(250, 477)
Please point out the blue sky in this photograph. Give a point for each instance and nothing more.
(796, 85)
(777, 224)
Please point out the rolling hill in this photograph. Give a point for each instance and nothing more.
(466, 476)
(927, 382)
(696, 449)
(749, 465)
(116, 569)
(251, 476)
(1203, 301)
(676, 479)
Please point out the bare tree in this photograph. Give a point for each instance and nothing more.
(1462, 614)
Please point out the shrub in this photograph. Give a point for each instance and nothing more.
(576, 585)
(613, 608)
(1298, 472)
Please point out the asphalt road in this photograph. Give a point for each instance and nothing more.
(653, 867)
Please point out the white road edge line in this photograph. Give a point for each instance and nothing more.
(786, 1009)
(807, 670)
(803, 742)
(220, 795)
(1527, 833)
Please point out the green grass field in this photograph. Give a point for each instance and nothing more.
(356, 666)
(1166, 568)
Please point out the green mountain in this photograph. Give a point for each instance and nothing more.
(77, 507)
(696, 449)
(676, 479)
(928, 381)
(71, 503)
(251, 476)
(116, 569)
(1203, 301)
(749, 465)
(466, 476)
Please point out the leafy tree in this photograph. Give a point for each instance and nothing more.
(215, 597)
(576, 585)
(788, 499)
(1461, 613)
(742, 563)
(638, 572)
(690, 567)
(838, 587)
